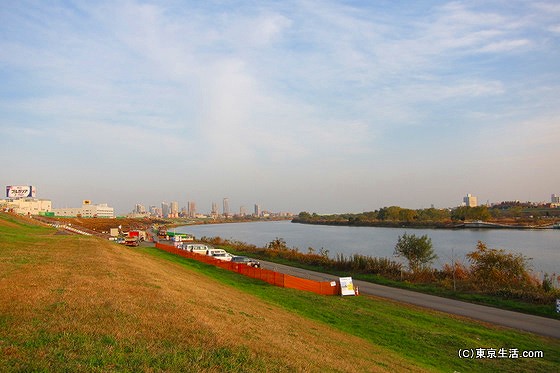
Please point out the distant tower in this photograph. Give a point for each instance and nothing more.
(226, 207)
(555, 199)
(174, 209)
(257, 210)
(214, 211)
(470, 200)
(192, 209)
(165, 210)
(242, 211)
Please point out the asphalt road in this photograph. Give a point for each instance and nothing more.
(534, 324)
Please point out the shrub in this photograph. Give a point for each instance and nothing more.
(495, 269)
(417, 250)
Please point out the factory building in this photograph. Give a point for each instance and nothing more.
(27, 206)
(88, 210)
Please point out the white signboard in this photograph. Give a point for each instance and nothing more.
(346, 286)
(20, 191)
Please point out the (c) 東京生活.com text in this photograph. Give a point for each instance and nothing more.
(498, 353)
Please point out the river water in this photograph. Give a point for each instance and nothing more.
(542, 246)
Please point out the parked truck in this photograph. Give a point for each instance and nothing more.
(132, 241)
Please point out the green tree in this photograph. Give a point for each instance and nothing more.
(417, 250)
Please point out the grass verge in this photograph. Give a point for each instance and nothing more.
(430, 338)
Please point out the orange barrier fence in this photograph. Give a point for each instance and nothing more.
(272, 277)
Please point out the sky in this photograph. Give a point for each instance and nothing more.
(320, 106)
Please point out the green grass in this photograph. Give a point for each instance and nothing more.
(46, 351)
(429, 338)
(545, 310)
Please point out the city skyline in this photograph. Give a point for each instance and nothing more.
(323, 106)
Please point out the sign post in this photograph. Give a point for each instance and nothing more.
(346, 286)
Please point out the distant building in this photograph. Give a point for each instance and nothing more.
(470, 200)
(555, 200)
(226, 207)
(21, 199)
(88, 210)
(257, 210)
(174, 210)
(165, 210)
(242, 211)
(214, 212)
(192, 210)
(28, 206)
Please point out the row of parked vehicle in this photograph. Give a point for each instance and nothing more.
(220, 254)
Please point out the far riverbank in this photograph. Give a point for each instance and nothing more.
(429, 225)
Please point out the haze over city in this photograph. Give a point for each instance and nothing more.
(323, 106)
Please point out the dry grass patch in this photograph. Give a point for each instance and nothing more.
(89, 304)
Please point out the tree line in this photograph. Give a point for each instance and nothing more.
(429, 217)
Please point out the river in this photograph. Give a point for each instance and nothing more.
(542, 246)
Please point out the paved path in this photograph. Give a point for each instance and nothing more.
(534, 324)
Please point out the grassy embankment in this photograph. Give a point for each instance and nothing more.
(79, 303)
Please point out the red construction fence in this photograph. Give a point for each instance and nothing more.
(274, 278)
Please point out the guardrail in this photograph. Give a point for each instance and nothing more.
(272, 277)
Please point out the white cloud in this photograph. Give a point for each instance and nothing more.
(554, 28)
(505, 45)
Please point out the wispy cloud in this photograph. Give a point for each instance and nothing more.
(276, 85)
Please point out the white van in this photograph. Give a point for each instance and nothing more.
(196, 248)
(219, 254)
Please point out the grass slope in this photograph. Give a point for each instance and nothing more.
(429, 338)
(73, 303)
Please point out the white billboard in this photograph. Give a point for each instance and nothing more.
(20, 191)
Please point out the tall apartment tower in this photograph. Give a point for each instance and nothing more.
(192, 210)
(174, 209)
(214, 212)
(555, 199)
(165, 210)
(226, 207)
(257, 210)
(470, 200)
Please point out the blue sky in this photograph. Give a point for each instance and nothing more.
(325, 106)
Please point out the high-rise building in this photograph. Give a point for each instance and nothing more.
(226, 207)
(242, 211)
(174, 209)
(257, 210)
(154, 211)
(165, 210)
(470, 200)
(214, 212)
(555, 199)
(139, 209)
(192, 209)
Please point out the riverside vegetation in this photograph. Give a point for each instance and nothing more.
(494, 277)
(508, 213)
(74, 303)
